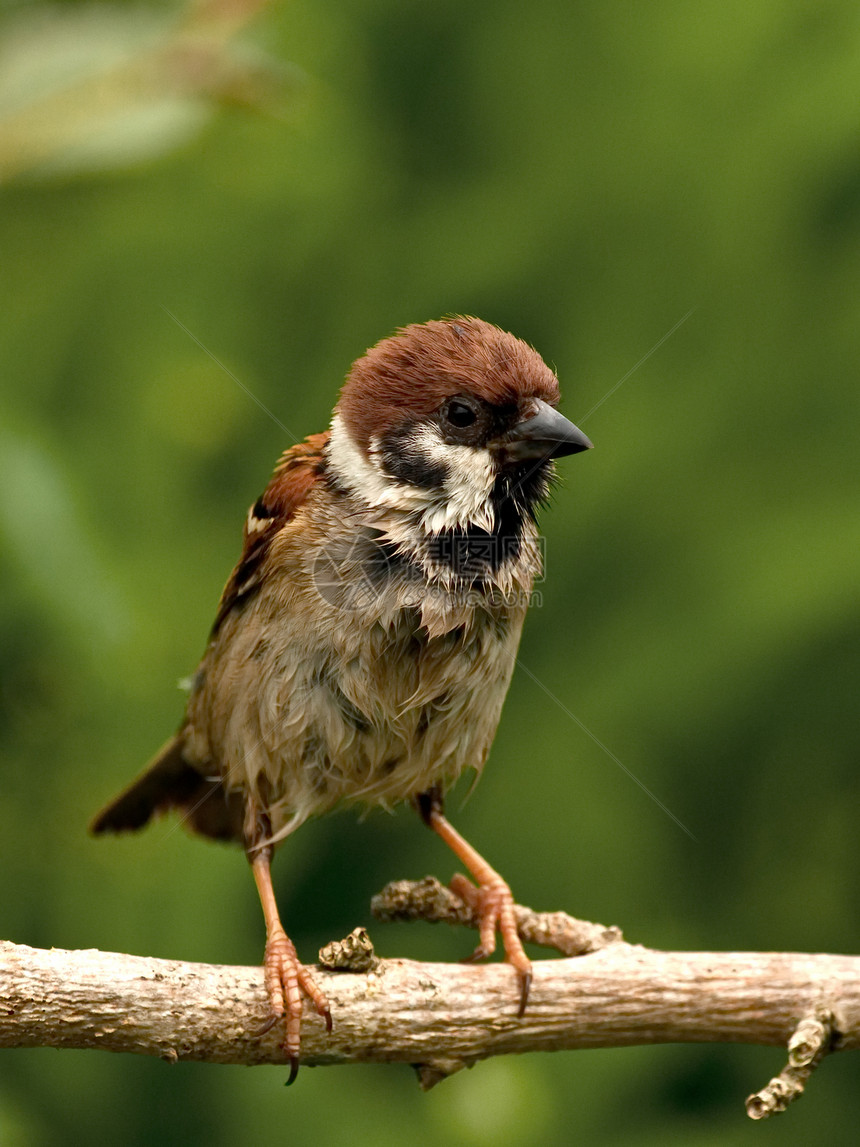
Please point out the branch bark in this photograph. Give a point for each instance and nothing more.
(439, 1017)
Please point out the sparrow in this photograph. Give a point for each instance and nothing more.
(364, 643)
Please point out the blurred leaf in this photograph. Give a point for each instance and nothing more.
(98, 87)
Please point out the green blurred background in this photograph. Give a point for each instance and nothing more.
(291, 187)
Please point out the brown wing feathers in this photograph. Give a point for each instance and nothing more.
(296, 473)
(169, 780)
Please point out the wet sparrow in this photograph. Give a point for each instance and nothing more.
(364, 643)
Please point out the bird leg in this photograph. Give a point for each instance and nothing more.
(492, 899)
(286, 978)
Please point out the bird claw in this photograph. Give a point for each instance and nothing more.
(525, 988)
(258, 1033)
(287, 981)
(493, 904)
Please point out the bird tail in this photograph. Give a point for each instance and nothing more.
(169, 781)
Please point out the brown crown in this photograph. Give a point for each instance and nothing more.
(410, 374)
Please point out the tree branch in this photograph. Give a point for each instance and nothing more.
(439, 1017)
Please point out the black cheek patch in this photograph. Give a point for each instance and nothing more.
(402, 461)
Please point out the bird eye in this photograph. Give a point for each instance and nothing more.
(460, 414)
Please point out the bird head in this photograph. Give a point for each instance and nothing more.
(448, 421)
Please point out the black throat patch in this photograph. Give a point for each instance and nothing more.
(474, 555)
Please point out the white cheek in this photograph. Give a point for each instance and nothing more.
(463, 500)
(365, 477)
(471, 475)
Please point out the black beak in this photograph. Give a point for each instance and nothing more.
(544, 434)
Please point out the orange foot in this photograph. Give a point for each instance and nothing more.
(286, 981)
(493, 902)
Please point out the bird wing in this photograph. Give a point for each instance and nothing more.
(170, 780)
(298, 470)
